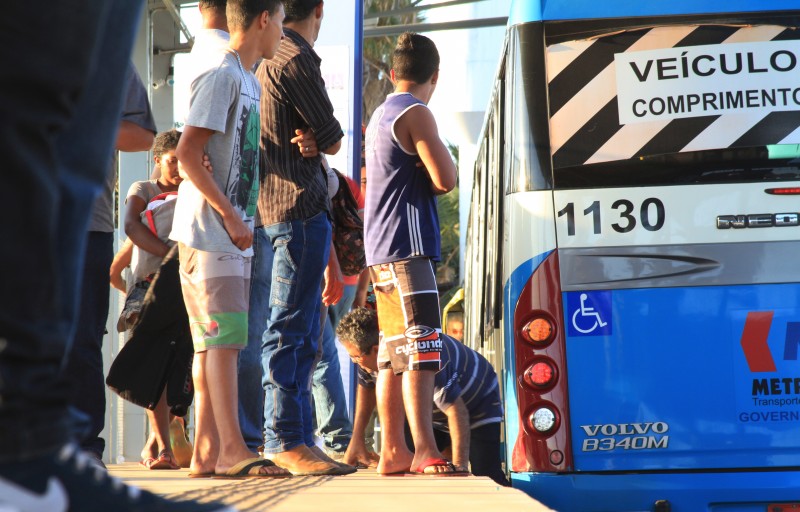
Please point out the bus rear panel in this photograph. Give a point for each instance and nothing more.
(648, 232)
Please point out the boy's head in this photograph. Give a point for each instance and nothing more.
(269, 14)
(164, 155)
(298, 10)
(415, 58)
(358, 334)
(218, 6)
(455, 325)
(213, 13)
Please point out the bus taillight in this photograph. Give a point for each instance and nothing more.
(542, 442)
(543, 419)
(540, 375)
(539, 331)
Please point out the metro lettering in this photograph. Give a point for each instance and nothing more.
(777, 386)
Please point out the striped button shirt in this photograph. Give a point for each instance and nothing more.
(465, 374)
(293, 97)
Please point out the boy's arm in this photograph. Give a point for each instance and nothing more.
(190, 152)
(121, 260)
(357, 452)
(458, 423)
(334, 282)
(360, 300)
(137, 232)
(131, 137)
(421, 128)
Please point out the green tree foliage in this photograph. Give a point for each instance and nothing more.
(447, 206)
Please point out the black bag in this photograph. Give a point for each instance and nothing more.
(160, 351)
(348, 230)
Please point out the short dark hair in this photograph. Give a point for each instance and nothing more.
(297, 10)
(359, 328)
(166, 141)
(415, 58)
(214, 5)
(241, 13)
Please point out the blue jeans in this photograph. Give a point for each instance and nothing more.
(333, 420)
(85, 361)
(251, 390)
(289, 344)
(61, 98)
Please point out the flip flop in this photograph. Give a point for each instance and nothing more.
(147, 462)
(433, 461)
(164, 461)
(242, 470)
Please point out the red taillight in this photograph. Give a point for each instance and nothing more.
(538, 331)
(540, 375)
(785, 191)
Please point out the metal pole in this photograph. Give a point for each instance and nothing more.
(417, 8)
(392, 30)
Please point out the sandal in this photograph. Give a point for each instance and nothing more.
(164, 460)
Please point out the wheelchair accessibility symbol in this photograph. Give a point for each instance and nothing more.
(589, 313)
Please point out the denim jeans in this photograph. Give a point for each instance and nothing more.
(60, 94)
(333, 421)
(289, 344)
(84, 368)
(251, 390)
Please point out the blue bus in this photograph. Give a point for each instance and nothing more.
(633, 253)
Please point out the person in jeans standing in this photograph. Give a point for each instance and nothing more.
(293, 206)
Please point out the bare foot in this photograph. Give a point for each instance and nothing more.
(395, 460)
(302, 461)
(150, 450)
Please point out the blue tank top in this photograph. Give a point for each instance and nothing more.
(400, 218)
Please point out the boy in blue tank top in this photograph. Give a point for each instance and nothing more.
(408, 166)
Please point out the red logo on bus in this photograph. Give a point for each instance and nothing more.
(754, 341)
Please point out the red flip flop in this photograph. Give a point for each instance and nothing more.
(433, 461)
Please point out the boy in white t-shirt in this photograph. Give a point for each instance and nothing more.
(213, 226)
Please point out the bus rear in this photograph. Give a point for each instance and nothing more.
(651, 228)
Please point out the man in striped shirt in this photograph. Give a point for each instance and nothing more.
(466, 396)
(296, 237)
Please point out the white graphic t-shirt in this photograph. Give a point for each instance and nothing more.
(226, 99)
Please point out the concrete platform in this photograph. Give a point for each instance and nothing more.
(364, 490)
